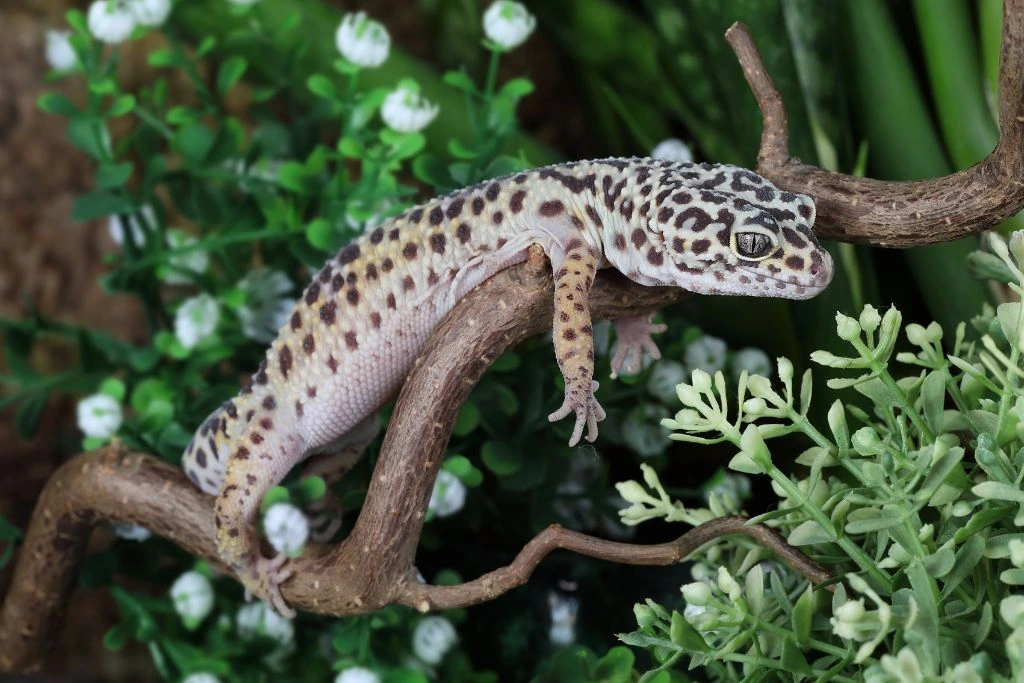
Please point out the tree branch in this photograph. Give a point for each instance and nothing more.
(373, 566)
(901, 214)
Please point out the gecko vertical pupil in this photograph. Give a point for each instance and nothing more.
(753, 244)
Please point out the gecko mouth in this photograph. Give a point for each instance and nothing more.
(809, 285)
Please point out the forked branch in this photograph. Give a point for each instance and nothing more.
(901, 214)
(374, 565)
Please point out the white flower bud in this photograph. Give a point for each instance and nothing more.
(406, 111)
(201, 677)
(192, 596)
(448, 496)
(99, 416)
(846, 327)
(59, 52)
(672, 149)
(196, 320)
(287, 529)
(150, 12)
(1011, 609)
(697, 593)
(870, 319)
(508, 24)
(362, 41)
(432, 639)
(110, 21)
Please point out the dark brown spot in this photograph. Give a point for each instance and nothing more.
(492, 191)
(308, 344)
(394, 234)
(256, 438)
(351, 278)
(325, 274)
(462, 233)
(593, 215)
(391, 300)
(638, 238)
(348, 254)
(242, 453)
(387, 264)
(311, 391)
(269, 403)
(569, 334)
(409, 251)
(655, 257)
(284, 357)
(375, 319)
(267, 423)
(250, 479)
(233, 532)
(313, 293)
(248, 416)
(296, 321)
(665, 215)
(478, 206)
(298, 408)
(436, 215)
(332, 364)
(408, 284)
(551, 208)
(350, 341)
(352, 296)
(795, 262)
(432, 278)
(261, 373)
(377, 236)
(327, 312)
(338, 282)
(201, 457)
(231, 410)
(455, 208)
(416, 215)
(563, 316)
(498, 217)
(587, 330)
(700, 246)
(515, 204)
(620, 241)
(371, 272)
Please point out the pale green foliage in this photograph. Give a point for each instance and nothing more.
(915, 506)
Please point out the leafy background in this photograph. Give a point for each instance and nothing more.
(892, 89)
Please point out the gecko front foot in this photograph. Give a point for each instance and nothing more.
(324, 517)
(588, 411)
(263, 579)
(633, 337)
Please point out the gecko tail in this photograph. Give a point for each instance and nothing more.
(206, 455)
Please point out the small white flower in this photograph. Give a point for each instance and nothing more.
(449, 494)
(904, 667)
(111, 21)
(256, 619)
(138, 233)
(406, 111)
(59, 52)
(266, 309)
(286, 528)
(1011, 609)
(182, 266)
(754, 361)
(665, 376)
(192, 596)
(432, 639)
(642, 430)
(150, 12)
(99, 416)
(357, 674)
(697, 593)
(201, 677)
(131, 532)
(362, 41)
(564, 610)
(196, 320)
(672, 149)
(707, 354)
(508, 24)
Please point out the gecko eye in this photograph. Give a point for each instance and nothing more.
(753, 245)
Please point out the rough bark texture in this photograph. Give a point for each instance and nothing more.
(901, 214)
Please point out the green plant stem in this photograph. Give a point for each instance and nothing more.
(153, 121)
(881, 371)
(820, 645)
(853, 551)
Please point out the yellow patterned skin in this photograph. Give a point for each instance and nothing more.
(361, 323)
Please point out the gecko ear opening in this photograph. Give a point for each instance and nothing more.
(753, 244)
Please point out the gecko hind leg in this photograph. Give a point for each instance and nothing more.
(633, 338)
(331, 462)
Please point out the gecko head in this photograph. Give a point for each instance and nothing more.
(752, 243)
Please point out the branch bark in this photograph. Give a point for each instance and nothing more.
(901, 214)
(374, 566)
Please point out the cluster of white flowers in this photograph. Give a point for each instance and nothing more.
(112, 21)
(508, 24)
(183, 267)
(564, 610)
(256, 619)
(405, 110)
(266, 307)
(196, 320)
(287, 529)
(357, 674)
(448, 496)
(709, 354)
(433, 638)
(59, 53)
(99, 416)
(672, 149)
(192, 596)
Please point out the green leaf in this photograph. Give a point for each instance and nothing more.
(120, 635)
(502, 458)
(516, 88)
(230, 72)
(320, 85)
(803, 612)
(110, 176)
(933, 396)
(939, 563)
(685, 635)
(124, 104)
(967, 558)
(88, 135)
(28, 414)
(147, 391)
(468, 419)
(461, 151)
(459, 465)
(924, 632)
(460, 80)
(193, 141)
(510, 360)
(793, 660)
(159, 412)
(113, 387)
(164, 57)
(292, 175)
(181, 115)
(207, 44)
(616, 665)
(99, 204)
(56, 103)
(321, 235)
(310, 489)
(865, 520)
(277, 494)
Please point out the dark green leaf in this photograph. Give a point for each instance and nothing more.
(56, 103)
(121, 106)
(110, 175)
(682, 633)
(99, 204)
(230, 72)
(460, 80)
(320, 85)
(793, 660)
(28, 413)
(88, 135)
(501, 458)
(193, 141)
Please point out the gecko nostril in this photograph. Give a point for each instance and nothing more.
(814, 269)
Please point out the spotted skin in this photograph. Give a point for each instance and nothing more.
(362, 321)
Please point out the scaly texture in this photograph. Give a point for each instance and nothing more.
(710, 229)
